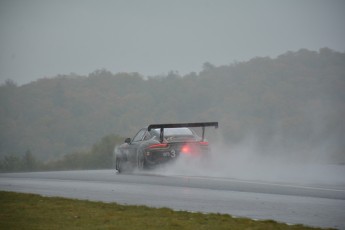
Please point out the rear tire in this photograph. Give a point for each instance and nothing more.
(118, 165)
(140, 160)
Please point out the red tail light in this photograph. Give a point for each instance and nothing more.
(158, 146)
(186, 149)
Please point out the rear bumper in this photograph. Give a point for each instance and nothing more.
(153, 158)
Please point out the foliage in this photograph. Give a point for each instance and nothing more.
(99, 157)
(295, 101)
(13, 163)
(27, 211)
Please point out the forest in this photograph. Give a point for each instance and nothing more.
(294, 102)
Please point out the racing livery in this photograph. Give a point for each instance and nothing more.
(161, 143)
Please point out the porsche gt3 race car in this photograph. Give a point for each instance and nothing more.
(161, 143)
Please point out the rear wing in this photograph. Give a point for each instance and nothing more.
(181, 125)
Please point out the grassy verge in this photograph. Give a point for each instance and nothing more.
(27, 211)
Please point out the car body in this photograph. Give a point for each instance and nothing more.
(159, 144)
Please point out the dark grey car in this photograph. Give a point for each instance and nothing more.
(161, 143)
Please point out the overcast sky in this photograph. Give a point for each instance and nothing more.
(44, 38)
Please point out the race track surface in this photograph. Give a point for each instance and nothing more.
(313, 205)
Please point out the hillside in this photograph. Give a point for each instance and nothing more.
(295, 102)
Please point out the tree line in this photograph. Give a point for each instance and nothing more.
(294, 102)
(100, 156)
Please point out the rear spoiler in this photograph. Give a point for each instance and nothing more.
(181, 125)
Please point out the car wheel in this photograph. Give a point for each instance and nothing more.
(119, 165)
(140, 160)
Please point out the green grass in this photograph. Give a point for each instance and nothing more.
(27, 211)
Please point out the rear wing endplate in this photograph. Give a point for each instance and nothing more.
(181, 125)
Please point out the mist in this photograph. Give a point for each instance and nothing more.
(44, 39)
(311, 153)
(284, 111)
(249, 161)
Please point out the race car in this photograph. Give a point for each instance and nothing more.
(159, 144)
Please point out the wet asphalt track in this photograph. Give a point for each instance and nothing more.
(314, 205)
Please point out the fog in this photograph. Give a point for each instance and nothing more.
(245, 161)
(48, 38)
(45, 38)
